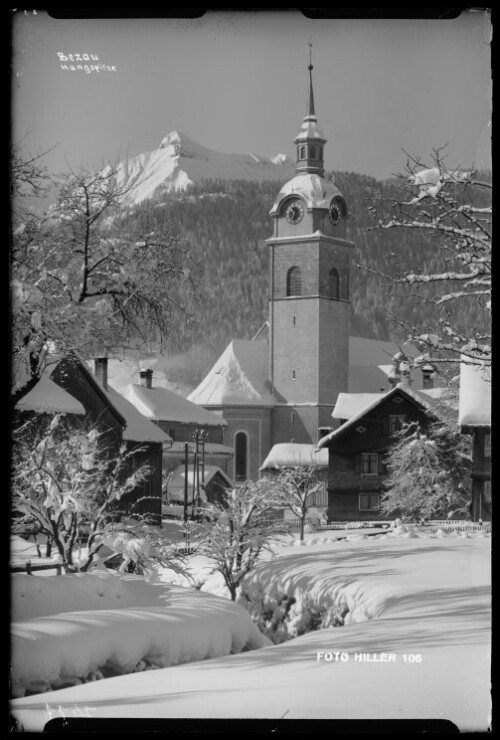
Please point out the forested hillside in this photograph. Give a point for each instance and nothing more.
(226, 223)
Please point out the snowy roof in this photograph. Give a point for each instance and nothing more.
(315, 190)
(239, 377)
(288, 455)
(176, 484)
(475, 395)
(49, 398)
(211, 448)
(428, 403)
(350, 404)
(138, 428)
(164, 405)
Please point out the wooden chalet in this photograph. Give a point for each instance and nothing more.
(357, 448)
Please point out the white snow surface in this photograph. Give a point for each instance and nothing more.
(423, 595)
(291, 454)
(180, 161)
(240, 377)
(67, 628)
(48, 397)
(163, 405)
(475, 394)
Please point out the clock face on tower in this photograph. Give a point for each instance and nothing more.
(294, 212)
(334, 213)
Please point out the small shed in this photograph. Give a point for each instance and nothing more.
(213, 483)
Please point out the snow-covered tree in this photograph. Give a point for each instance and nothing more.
(236, 533)
(81, 281)
(294, 488)
(450, 209)
(67, 486)
(428, 473)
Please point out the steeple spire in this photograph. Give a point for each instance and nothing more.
(310, 140)
(310, 110)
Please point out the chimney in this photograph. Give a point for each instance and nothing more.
(428, 371)
(101, 371)
(146, 377)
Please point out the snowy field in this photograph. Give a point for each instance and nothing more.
(415, 642)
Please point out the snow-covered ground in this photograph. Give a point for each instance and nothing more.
(87, 626)
(416, 642)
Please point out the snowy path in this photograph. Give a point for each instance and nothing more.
(432, 600)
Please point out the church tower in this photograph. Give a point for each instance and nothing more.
(309, 292)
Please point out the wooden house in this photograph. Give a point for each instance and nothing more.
(122, 424)
(357, 448)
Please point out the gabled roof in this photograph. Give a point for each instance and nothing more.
(161, 404)
(428, 403)
(49, 398)
(240, 377)
(291, 455)
(350, 404)
(475, 395)
(138, 428)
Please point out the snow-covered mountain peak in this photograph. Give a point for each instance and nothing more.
(179, 161)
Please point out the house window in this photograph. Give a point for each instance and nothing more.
(487, 492)
(293, 282)
(396, 424)
(487, 446)
(369, 463)
(333, 284)
(293, 374)
(292, 417)
(240, 457)
(294, 321)
(171, 433)
(368, 501)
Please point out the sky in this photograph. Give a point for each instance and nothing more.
(237, 82)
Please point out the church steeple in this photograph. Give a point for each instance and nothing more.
(310, 141)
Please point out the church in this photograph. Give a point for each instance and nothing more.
(282, 386)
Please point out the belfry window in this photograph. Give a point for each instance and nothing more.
(240, 457)
(293, 282)
(302, 152)
(333, 284)
(312, 152)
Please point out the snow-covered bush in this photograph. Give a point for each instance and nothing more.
(429, 473)
(67, 485)
(238, 531)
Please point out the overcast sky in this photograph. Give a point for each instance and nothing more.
(237, 82)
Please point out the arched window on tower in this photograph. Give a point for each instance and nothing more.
(333, 284)
(312, 152)
(293, 282)
(302, 152)
(240, 457)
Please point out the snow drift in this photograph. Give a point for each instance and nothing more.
(82, 627)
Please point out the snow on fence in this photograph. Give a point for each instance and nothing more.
(430, 526)
(29, 567)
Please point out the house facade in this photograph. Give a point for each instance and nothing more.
(368, 427)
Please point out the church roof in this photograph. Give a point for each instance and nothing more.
(291, 455)
(240, 377)
(161, 404)
(475, 395)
